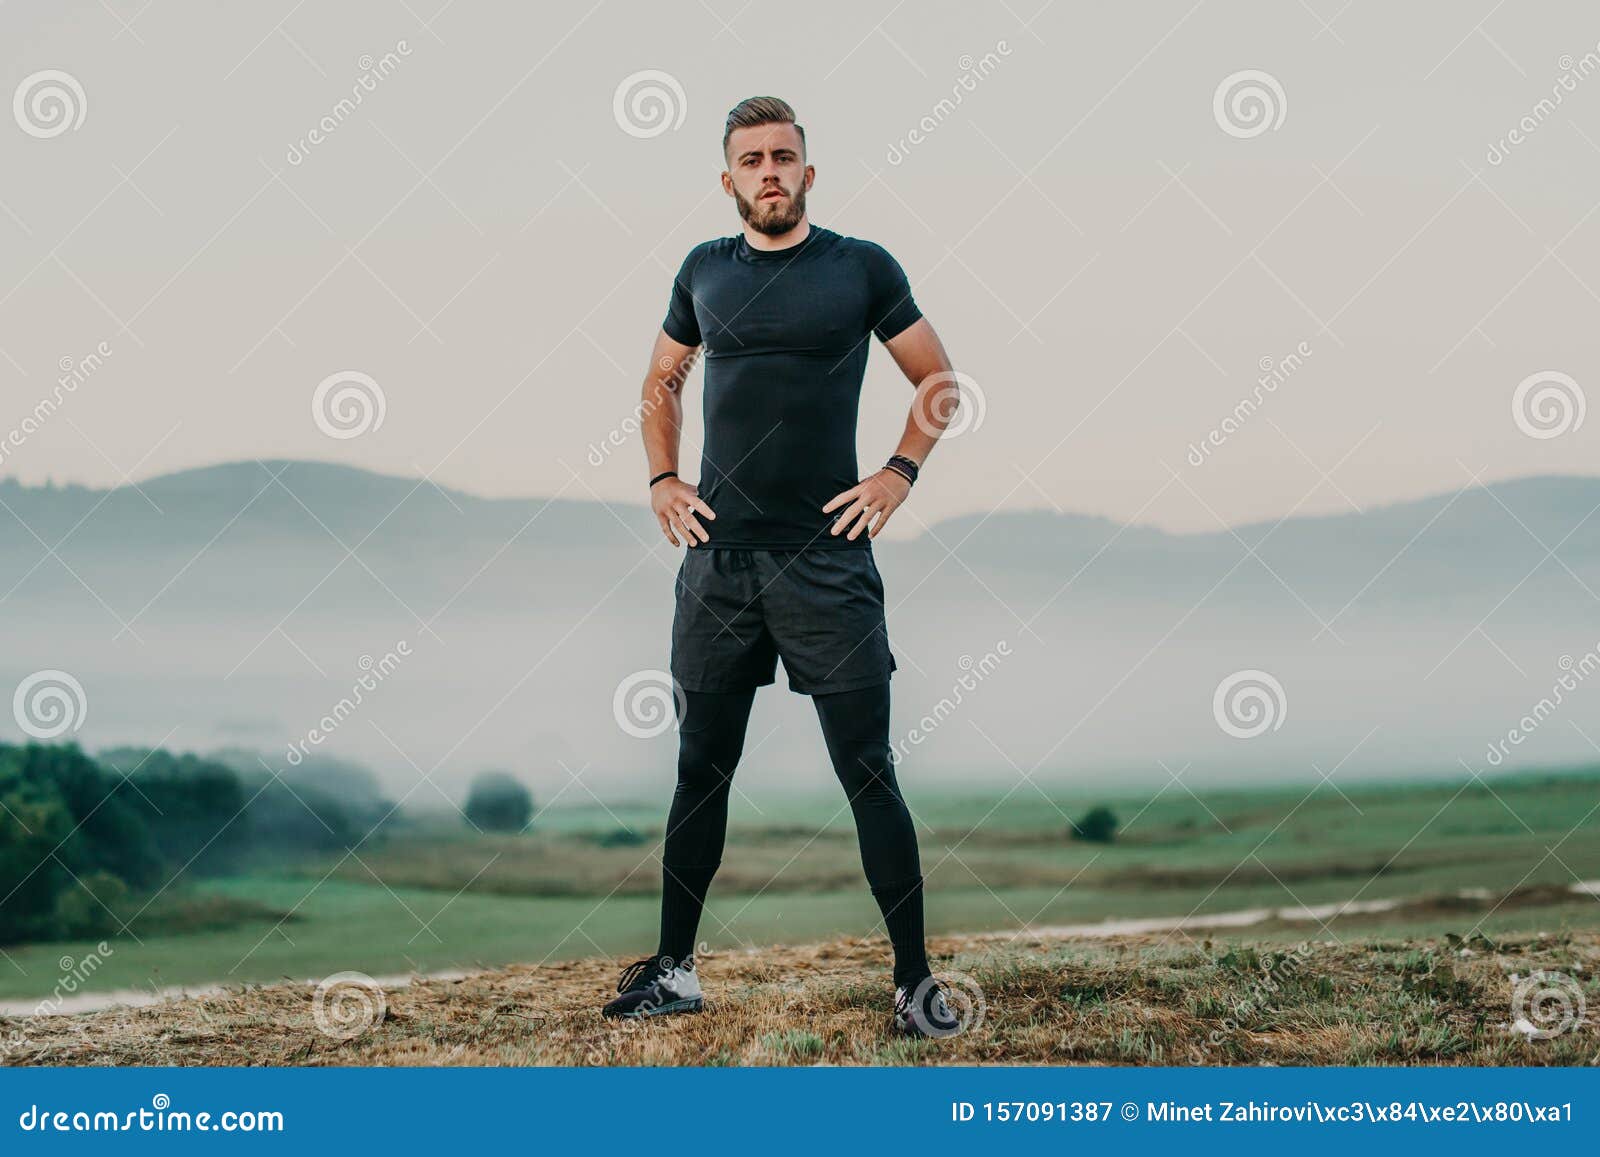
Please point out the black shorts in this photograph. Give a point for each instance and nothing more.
(738, 611)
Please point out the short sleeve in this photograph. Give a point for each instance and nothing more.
(681, 325)
(892, 308)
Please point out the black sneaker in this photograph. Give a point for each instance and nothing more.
(920, 1010)
(656, 986)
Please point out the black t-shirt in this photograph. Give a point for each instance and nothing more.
(786, 337)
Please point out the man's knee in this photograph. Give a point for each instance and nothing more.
(865, 770)
(708, 758)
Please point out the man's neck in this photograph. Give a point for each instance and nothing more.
(759, 240)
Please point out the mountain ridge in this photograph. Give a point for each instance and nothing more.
(243, 481)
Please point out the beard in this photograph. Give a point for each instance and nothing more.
(774, 218)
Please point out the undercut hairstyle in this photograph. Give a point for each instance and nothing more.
(760, 110)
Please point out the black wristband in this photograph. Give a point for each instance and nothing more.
(904, 467)
(663, 474)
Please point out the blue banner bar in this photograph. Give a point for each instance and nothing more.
(802, 1111)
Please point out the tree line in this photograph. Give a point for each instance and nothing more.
(86, 841)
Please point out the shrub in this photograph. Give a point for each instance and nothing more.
(1098, 827)
(497, 802)
(619, 838)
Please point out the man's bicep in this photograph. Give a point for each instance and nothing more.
(918, 351)
(671, 360)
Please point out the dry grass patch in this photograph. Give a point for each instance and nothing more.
(1137, 1000)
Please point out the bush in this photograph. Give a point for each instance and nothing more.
(88, 907)
(619, 838)
(66, 825)
(497, 802)
(1098, 827)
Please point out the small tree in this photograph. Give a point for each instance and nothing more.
(1098, 827)
(497, 802)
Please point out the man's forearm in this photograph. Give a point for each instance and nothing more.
(661, 403)
(662, 424)
(933, 407)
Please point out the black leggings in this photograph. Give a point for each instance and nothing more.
(855, 725)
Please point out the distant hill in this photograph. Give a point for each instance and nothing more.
(237, 602)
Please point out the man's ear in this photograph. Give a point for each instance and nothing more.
(727, 183)
(811, 177)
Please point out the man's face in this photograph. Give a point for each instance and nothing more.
(768, 177)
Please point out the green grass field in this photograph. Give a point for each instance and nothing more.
(434, 898)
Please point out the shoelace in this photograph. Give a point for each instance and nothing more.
(937, 989)
(634, 975)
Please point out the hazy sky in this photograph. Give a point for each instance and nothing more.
(483, 238)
